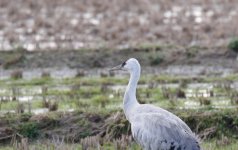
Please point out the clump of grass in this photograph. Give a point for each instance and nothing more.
(25, 117)
(123, 142)
(91, 142)
(168, 93)
(192, 51)
(29, 129)
(20, 108)
(80, 73)
(183, 83)
(47, 103)
(15, 93)
(53, 106)
(24, 144)
(223, 141)
(204, 101)
(149, 47)
(17, 74)
(44, 91)
(156, 60)
(180, 93)
(104, 74)
(45, 74)
(233, 45)
(115, 126)
(234, 97)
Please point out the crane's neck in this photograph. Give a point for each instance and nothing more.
(130, 100)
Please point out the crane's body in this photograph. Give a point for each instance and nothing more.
(152, 127)
(157, 129)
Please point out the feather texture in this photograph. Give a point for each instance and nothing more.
(157, 129)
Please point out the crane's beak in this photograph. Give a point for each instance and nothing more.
(119, 67)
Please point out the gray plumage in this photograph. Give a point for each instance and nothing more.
(157, 129)
(153, 127)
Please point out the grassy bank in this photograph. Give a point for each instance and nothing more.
(217, 129)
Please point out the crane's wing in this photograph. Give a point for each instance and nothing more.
(147, 108)
(161, 130)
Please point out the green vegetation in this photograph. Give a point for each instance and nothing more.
(150, 47)
(192, 51)
(29, 129)
(233, 45)
(209, 145)
(156, 60)
(101, 100)
(217, 128)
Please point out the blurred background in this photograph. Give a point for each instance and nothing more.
(56, 90)
(70, 25)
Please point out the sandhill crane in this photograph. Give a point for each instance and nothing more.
(153, 128)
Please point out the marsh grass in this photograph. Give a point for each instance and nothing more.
(92, 96)
(116, 131)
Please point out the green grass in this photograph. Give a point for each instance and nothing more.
(220, 145)
(10, 105)
(42, 145)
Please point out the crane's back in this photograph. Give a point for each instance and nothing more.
(155, 129)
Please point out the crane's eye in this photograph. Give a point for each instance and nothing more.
(123, 64)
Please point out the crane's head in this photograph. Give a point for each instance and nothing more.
(130, 65)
